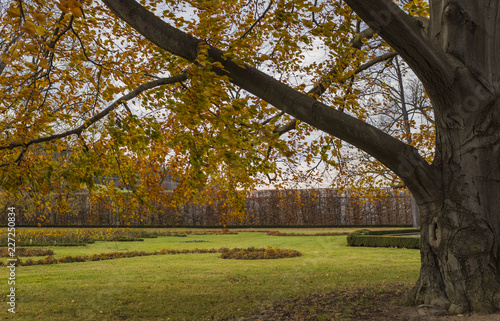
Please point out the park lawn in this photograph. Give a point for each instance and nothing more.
(199, 286)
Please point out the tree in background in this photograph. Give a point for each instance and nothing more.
(219, 118)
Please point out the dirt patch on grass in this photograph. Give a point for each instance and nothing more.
(379, 305)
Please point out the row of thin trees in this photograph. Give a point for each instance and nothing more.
(263, 208)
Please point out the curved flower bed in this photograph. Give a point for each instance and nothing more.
(105, 256)
(258, 254)
(83, 236)
(22, 251)
(236, 253)
(278, 233)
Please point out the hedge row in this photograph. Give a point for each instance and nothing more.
(22, 251)
(226, 253)
(393, 231)
(278, 233)
(81, 237)
(381, 239)
(258, 254)
(107, 256)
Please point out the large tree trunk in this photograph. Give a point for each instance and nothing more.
(460, 228)
(457, 60)
(460, 234)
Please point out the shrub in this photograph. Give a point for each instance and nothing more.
(278, 233)
(122, 238)
(380, 239)
(48, 260)
(353, 235)
(78, 237)
(400, 231)
(209, 232)
(109, 256)
(240, 254)
(258, 254)
(21, 251)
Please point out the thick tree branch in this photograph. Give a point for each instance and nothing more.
(406, 35)
(401, 158)
(77, 131)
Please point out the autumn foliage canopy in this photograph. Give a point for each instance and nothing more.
(84, 96)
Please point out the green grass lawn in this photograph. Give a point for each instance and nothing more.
(198, 286)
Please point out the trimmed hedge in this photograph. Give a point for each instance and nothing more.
(22, 251)
(381, 239)
(226, 253)
(278, 233)
(107, 256)
(253, 253)
(399, 231)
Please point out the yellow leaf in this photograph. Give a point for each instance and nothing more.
(63, 5)
(39, 18)
(29, 27)
(40, 30)
(339, 100)
(14, 11)
(75, 8)
(14, 53)
(29, 47)
(44, 64)
(76, 11)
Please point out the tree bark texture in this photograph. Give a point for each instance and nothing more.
(461, 223)
(456, 57)
(463, 228)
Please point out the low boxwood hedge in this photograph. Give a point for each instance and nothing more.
(253, 253)
(381, 239)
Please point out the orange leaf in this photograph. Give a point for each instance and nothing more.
(29, 27)
(39, 18)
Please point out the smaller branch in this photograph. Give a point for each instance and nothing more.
(23, 16)
(265, 122)
(20, 157)
(313, 16)
(127, 108)
(375, 61)
(357, 42)
(321, 86)
(258, 20)
(83, 48)
(286, 128)
(405, 34)
(58, 36)
(77, 131)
